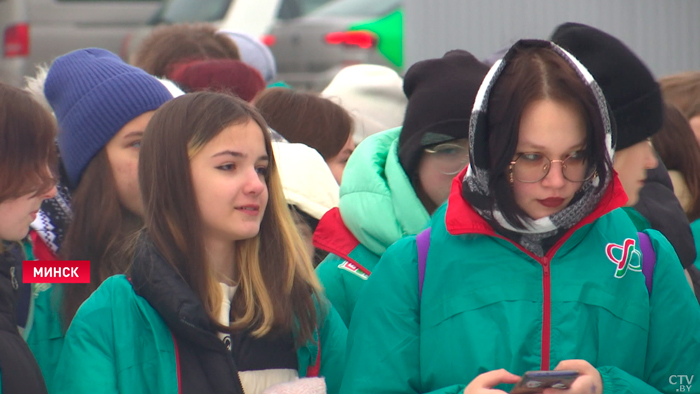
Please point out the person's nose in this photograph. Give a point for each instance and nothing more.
(651, 161)
(555, 177)
(255, 183)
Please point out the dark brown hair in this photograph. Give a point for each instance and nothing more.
(276, 281)
(683, 91)
(532, 74)
(168, 45)
(27, 150)
(679, 151)
(302, 117)
(99, 232)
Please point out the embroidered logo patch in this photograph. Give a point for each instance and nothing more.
(352, 268)
(630, 258)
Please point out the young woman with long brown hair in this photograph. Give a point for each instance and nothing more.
(674, 144)
(221, 294)
(102, 106)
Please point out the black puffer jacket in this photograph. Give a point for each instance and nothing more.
(207, 365)
(19, 372)
(659, 205)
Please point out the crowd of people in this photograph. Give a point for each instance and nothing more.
(441, 232)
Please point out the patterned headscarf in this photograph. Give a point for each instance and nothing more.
(536, 234)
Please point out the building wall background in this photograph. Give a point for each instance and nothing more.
(664, 33)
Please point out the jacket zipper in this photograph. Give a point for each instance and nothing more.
(231, 363)
(546, 313)
(177, 361)
(546, 292)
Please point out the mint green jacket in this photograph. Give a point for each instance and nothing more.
(117, 343)
(488, 304)
(377, 207)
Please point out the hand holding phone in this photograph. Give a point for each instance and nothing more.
(534, 382)
(589, 380)
(485, 382)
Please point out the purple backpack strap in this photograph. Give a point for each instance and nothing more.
(423, 244)
(648, 259)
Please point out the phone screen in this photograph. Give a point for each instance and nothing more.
(534, 382)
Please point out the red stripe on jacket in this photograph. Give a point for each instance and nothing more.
(461, 218)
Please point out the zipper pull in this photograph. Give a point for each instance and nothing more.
(545, 265)
(15, 284)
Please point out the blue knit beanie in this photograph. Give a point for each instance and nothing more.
(94, 94)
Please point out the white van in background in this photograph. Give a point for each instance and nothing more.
(38, 31)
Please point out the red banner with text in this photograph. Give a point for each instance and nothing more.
(71, 271)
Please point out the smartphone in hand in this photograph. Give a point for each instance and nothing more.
(534, 382)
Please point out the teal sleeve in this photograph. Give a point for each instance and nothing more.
(674, 324)
(334, 286)
(86, 363)
(617, 381)
(334, 336)
(383, 340)
(44, 334)
(673, 348)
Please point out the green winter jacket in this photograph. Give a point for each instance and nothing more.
(44, 328)
(378, 206)
(44, 333)
(488, 304)
(118, 343)
(695, 228)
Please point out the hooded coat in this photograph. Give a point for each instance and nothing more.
(378, 206)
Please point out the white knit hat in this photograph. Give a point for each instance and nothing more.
(306, 179)
(372, 94)
(254, 53)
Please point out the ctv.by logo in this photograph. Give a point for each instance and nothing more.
(684, 382)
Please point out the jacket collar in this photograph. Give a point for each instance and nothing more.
(377, 200)
(333, 236)
(154, 279)
(461, 218)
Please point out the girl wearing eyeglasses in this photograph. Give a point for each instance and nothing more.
(395, 179)
(530, 266)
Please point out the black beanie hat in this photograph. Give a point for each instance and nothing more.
(441, 95)
(629, 87)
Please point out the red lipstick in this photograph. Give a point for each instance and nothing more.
(551, 202)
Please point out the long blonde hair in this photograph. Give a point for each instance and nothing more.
(276, 281)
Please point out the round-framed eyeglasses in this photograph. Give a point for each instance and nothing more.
(533, 167)
(451, 157)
